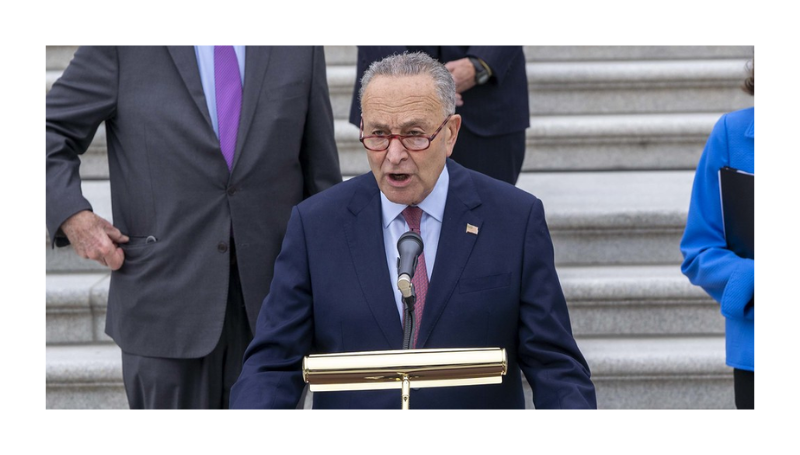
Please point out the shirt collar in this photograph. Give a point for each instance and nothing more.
(433, 204)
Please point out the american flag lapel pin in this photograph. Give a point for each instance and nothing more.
(472, 229)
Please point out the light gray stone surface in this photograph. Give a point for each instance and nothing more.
(612, 53)
(637, 300)
(58, 57)
(84, 377)
(646, 356)
(70, 313)
(613, 217)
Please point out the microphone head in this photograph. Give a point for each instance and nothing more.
(410, 236)
(410, 247)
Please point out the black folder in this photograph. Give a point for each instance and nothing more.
(737, 194)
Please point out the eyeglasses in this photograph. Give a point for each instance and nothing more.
(414, 143)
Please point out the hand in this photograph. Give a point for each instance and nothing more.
(463, 73)
(92, 237)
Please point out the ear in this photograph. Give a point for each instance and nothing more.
(452, 127)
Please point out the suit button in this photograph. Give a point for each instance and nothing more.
(231, 191)
(222, 247)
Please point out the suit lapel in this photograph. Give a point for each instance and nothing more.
(186, 61)
(455, 246)
(255, 70)
(365, 239)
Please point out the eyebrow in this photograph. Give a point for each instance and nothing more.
(404, 125)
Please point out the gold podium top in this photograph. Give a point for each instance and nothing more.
(372, 370)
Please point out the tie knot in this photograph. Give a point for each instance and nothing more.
(413, 215)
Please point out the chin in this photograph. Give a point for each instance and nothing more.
(399, 197)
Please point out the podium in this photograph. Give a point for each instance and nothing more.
(403, 369)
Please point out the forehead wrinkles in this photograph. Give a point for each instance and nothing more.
(400, 97)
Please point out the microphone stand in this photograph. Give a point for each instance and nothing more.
(410, 247)
(408, 327)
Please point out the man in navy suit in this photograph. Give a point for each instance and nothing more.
(488, 256)
(492, 100)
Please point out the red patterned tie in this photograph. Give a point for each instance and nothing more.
(413, 215)
(228, 85)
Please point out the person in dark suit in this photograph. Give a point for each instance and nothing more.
(208, 150)
(492, 87)
(489, 271)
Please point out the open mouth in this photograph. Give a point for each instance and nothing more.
(399, 177)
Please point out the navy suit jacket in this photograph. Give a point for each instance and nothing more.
(332, 293)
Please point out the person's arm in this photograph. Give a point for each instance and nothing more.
(708, 263)
(271, 375)
(93, 237)
(78, 102)
(548, 354)
(319, 155)
(463, 72)
(496, 59)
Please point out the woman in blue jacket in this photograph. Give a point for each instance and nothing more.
(708, 263)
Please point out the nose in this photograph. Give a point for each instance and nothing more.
(396, 151)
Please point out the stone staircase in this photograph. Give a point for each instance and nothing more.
(615, 135)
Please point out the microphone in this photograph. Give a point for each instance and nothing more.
(410, 247)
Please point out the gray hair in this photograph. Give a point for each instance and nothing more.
(413, 64)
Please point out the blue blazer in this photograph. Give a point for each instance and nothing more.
(708, 263)
(332, 292)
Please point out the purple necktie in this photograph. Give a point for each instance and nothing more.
(228, 85)
(413, 216)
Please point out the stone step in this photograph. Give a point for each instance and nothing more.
(617, 142)
(629, 373)
(627, 87)
(593, 87)
(603, 301)
(57, 58)
(613, 217)
(625, 300)
(85, 377)
(602, 53)
(76, 307)
(594, 217)
(659, 372)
